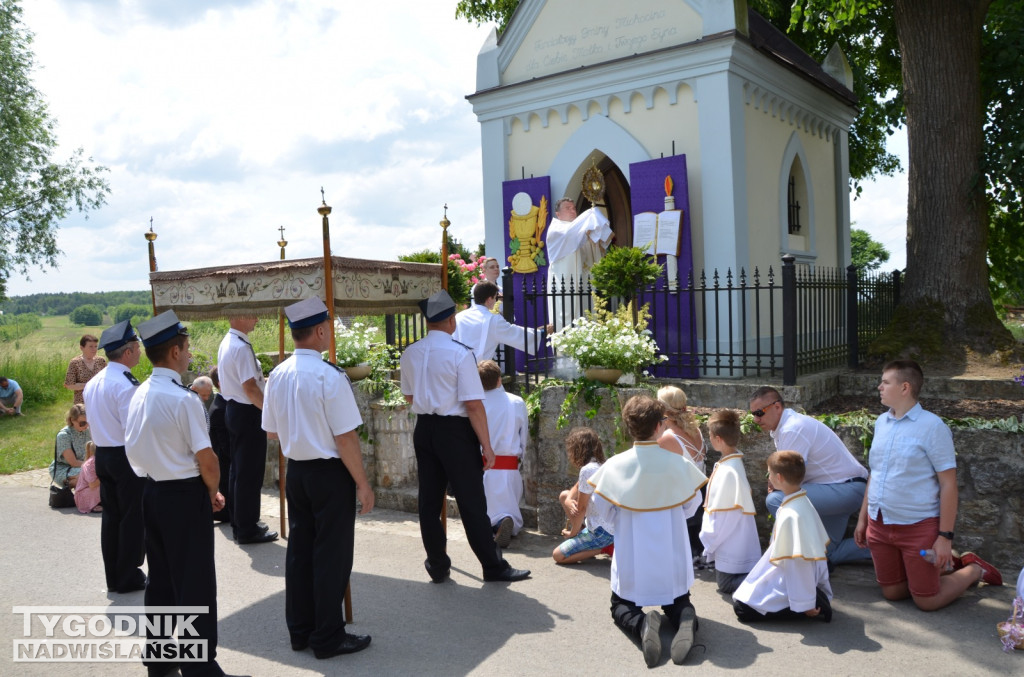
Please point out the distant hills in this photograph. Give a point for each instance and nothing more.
(63, 303)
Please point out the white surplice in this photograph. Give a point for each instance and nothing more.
(728, 530)
(508, 426)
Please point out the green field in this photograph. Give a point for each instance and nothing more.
(39, 361)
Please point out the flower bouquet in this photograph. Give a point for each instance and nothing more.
(610, 340)
(353, 344)
(1011, 631)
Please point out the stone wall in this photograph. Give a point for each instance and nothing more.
(990, 471)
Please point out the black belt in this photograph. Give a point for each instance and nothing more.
(862, 480)
(188, 480)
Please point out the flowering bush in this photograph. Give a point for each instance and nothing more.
(353, 344)
(603, 338)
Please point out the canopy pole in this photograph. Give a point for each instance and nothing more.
(150, 237)
(281, 466)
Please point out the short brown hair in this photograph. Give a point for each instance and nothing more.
(87, 338)
(725, 423)
(159, 353)
(641, 415)
(484, 291)
(302, 333)
(789, 464)
(490, 374)
(907, 371)
(582, 445)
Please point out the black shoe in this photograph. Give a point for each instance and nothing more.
(436, 576)
(683, 640)
(262, 526)
(263, 537)
(350, 644)
(509, 575)
(139, 583)
(650, 638)
(825, 607)
(504, 535)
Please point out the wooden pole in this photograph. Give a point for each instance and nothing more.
(150, 237)
(444, 285)
(324, 210)
(283, 507)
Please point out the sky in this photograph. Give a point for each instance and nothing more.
(222, 119)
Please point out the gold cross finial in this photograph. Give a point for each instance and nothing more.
(323, 198)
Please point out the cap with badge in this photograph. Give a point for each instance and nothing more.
(114, 337)
(161, 329)
(438, 307)
(306, 313)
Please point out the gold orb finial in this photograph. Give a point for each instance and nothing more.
(323, 209)
(282, 243)
(445, 222)
(150, 236)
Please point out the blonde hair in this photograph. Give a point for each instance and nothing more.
(90, 449)
(76, 412)
(674, 400)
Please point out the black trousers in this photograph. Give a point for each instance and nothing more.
(121, 528)
(322, 523)
(630, 617)
(248, 461)
(220, 440)
(179, 544)
(448, 452)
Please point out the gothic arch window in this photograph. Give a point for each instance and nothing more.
(796, 204)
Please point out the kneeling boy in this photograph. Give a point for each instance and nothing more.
(791, 578)
(645, 494)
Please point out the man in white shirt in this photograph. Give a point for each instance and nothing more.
(166, 438)
(482, 330)
(441, 384)
(645, 494)
(310, 408)
(509, 429)
(241, 384)
(107, 396)
(835, 480)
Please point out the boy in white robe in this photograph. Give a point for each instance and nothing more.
(508, 425)
(728, 531)
(645, 495)
(791, 578)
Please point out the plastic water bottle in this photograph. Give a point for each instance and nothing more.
(929, 556)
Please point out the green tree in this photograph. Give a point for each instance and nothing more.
(866, 253)
(87, 316)
(128, 311)
(486, 11)
(36, 193)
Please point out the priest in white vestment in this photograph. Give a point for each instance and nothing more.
(509, 429)
(574, 244)
(645, 494)
(791, 578)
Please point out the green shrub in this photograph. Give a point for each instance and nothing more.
(88, 315)
(131, 311)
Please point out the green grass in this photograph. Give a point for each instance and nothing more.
(39, 361)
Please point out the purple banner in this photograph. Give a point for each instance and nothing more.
(672, 320)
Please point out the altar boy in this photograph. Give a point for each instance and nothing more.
(509, 428)
(791, 578)
(645, 494)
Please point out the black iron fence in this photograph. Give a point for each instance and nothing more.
(796, 321)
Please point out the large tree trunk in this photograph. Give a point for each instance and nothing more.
(946, 301)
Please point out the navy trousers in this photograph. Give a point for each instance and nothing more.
(248, 460)
(121, 529)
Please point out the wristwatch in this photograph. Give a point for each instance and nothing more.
(948, 535)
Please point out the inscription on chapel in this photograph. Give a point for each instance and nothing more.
(586, 38)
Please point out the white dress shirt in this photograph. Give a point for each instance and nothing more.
(827, 459)
(166, 427)
(307, 403)
(107, 396)
(236, 364)
(482, 330)
(441, 375)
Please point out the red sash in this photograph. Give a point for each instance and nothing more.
(506, 463)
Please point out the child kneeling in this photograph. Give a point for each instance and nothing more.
(645, 494)
(587, 536)
(728, 531)
(791, 578)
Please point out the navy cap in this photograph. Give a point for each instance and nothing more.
(306, 313)
(161, 329)
(114, 337)
(438, 307)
